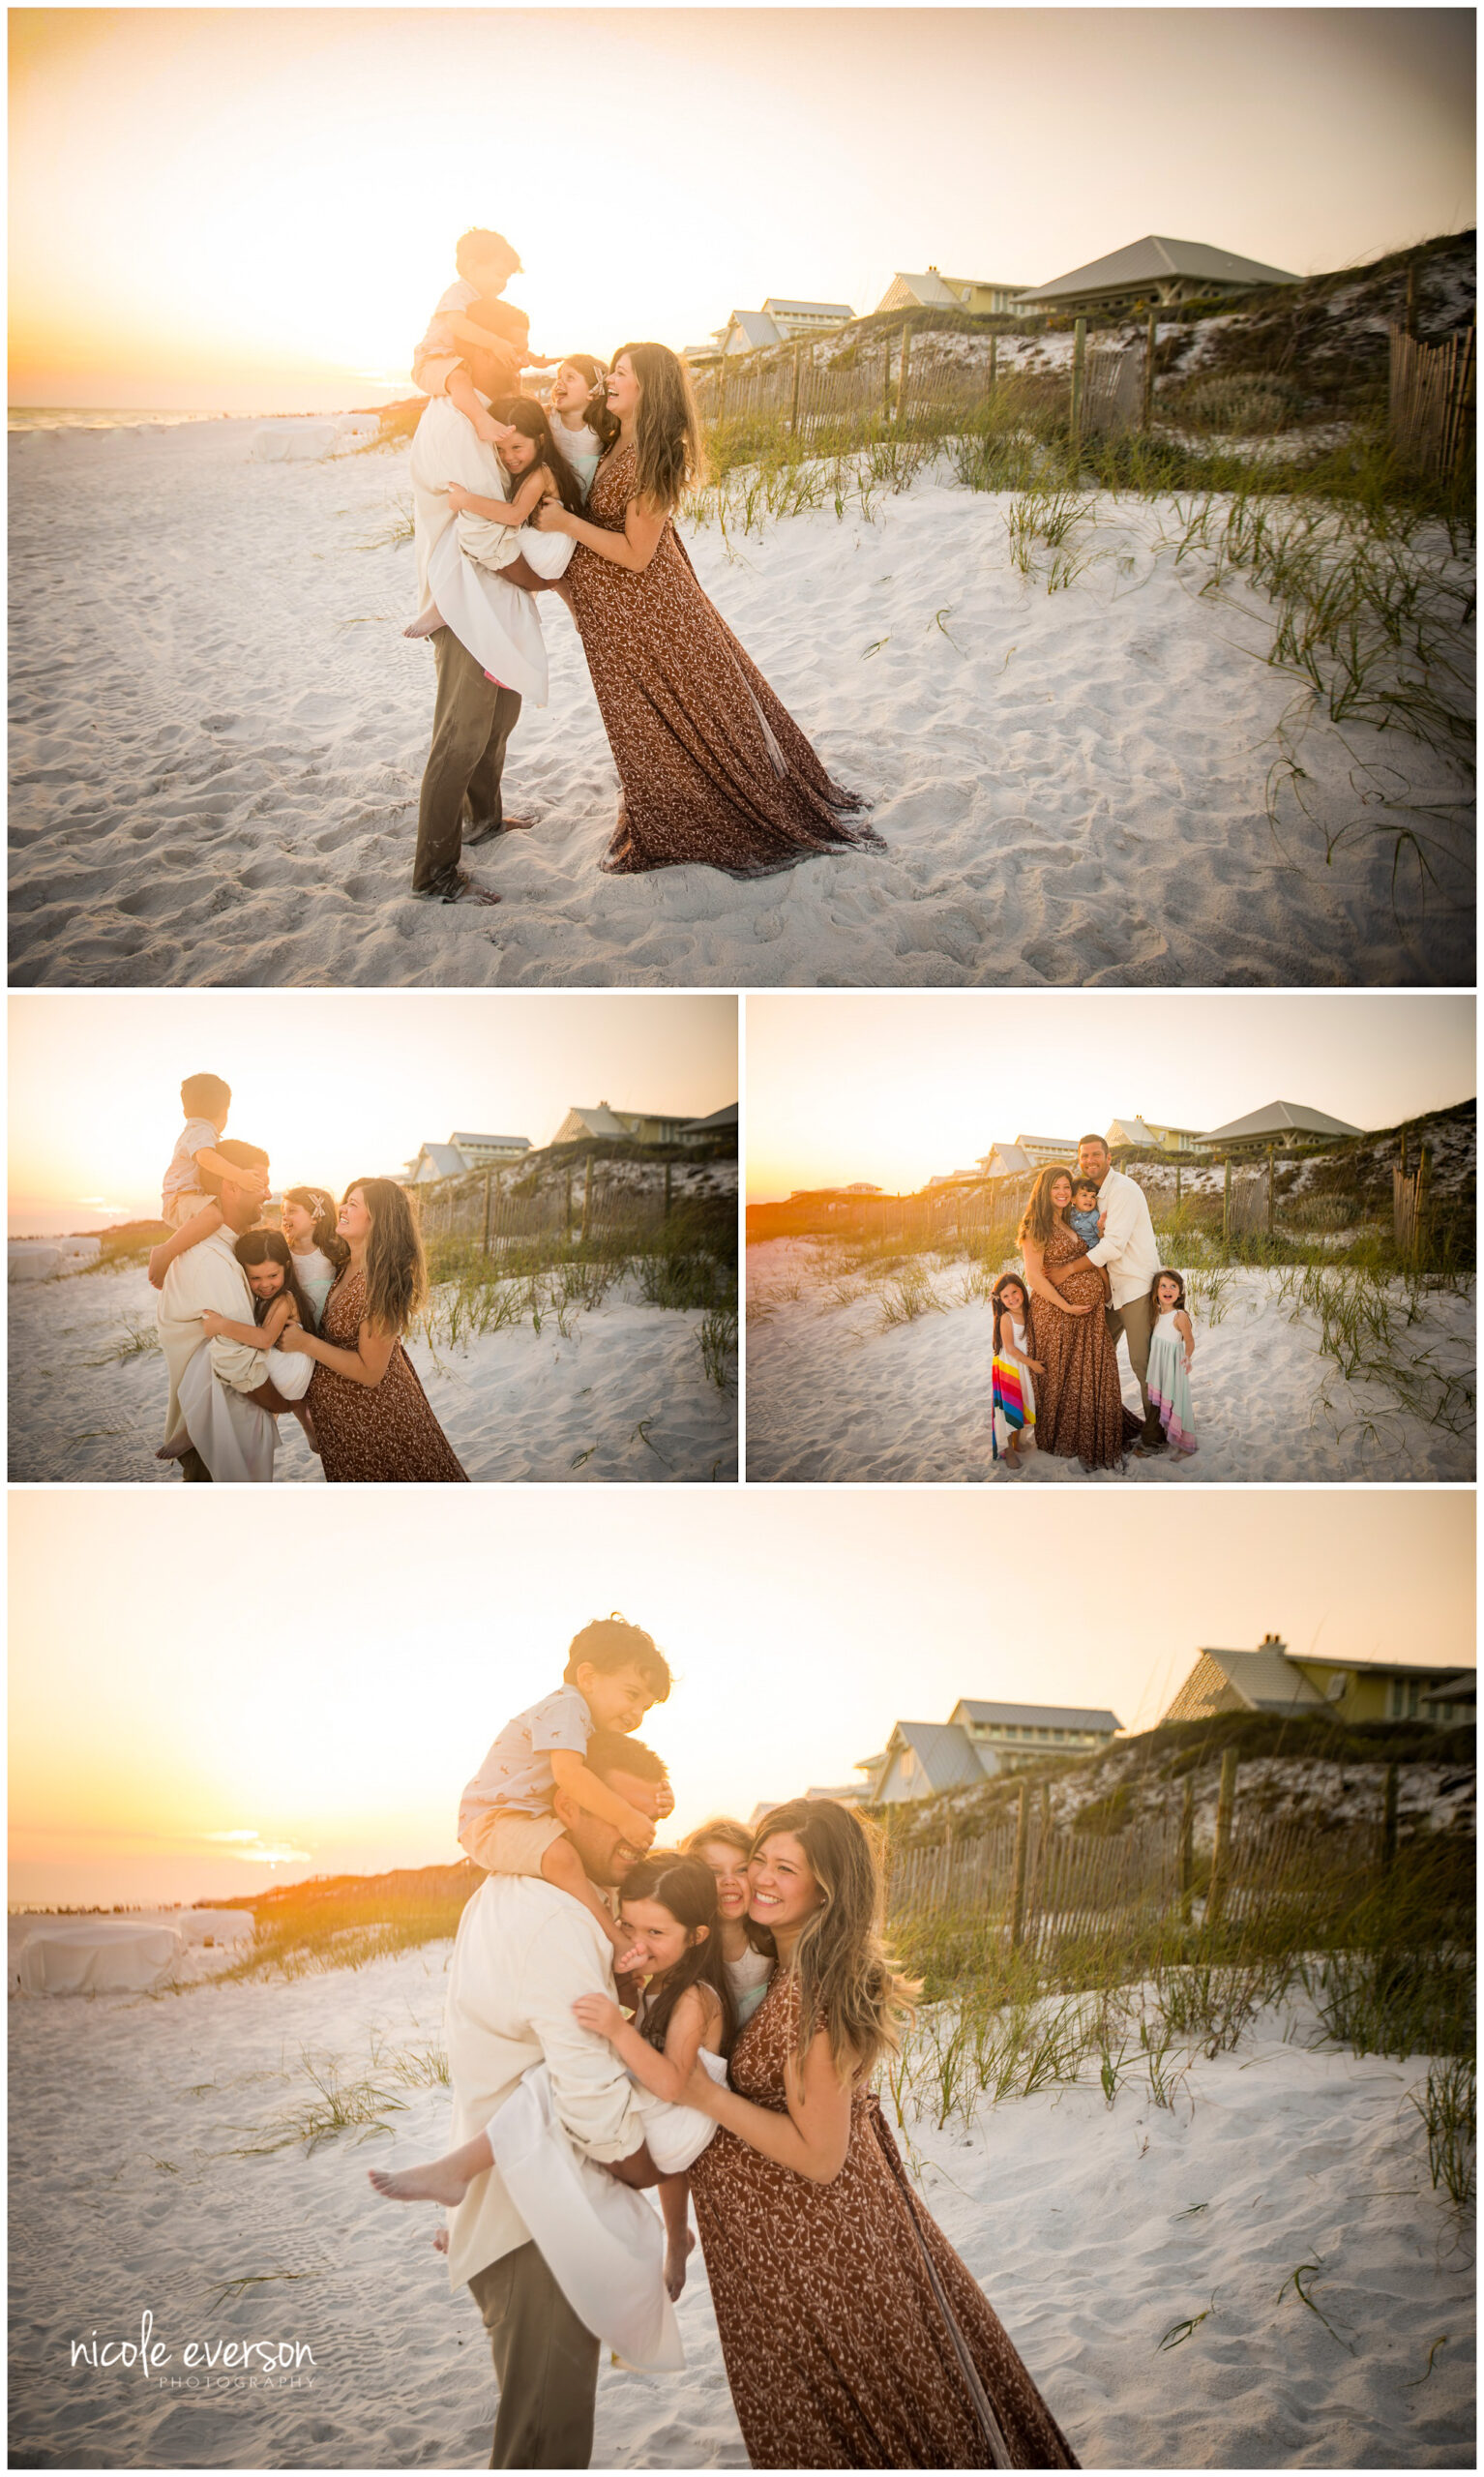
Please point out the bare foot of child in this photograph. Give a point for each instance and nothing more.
(441, 2181)
(432, 618)
(175, 1452)
(440, 2241)
(675, 2260)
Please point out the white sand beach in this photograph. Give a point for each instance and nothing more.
(621, 1396)
(218, 732)
(833, 1393)
(160, 2164)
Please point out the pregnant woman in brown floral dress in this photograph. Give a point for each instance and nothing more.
(853, 2334)
(371, 1415)
(712, 766)
(1078, 1397)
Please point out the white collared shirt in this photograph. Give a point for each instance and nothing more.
(1127, 1246)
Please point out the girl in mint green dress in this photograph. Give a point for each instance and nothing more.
(1171, 1347)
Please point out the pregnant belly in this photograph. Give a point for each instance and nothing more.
(1083, 1286)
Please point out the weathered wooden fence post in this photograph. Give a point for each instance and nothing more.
(1079, 377)
(994, 362)
(907, 350)
(1146, 415)
(488, 1200)
(1018, 1883)
(886, 379)
(1226, 1206)
(587, 1197)
(567, 1222)
(668, 1173)
(1221, 1854)
(793, 409)
(1269, 1191)
(1187, 1849)
(1178, 1186)
(1389, 1820)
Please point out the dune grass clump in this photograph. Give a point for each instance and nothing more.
(343, 1922)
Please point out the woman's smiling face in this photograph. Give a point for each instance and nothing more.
(1061, 1192)
(623, 389)
(730, 1867)
(355, 1222)
(784, 1888)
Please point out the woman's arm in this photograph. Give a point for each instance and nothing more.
(632, 548)
(665, 2075)
(253, 1337)
(812, 2138)
(366, 1364)
(1038, 1280)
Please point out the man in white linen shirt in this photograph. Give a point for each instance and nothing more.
(524, 1953)
(218, 1389)
(1130, 1254)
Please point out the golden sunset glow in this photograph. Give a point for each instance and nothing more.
(184, 1669)
(255, 209)
(95, 1082)
(894, 1091)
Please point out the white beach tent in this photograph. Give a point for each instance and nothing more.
(215, 1925)
(95, 1956)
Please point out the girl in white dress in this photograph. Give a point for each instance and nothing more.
(581, 425)
(748, 1954)
(1172, 1347)
(307, 1218)
(594, 2233)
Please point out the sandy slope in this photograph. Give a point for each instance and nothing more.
(218, 732)
(515, 1405)
(831, 1396)
(143, 2177)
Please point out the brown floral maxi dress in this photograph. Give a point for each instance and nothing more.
(853, 2334)
(1078, 1399)
(712, 766)
(384, 1431)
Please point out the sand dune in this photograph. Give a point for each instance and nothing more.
(831, 1395)
(218, 732)
(155, 2165)
(515, 1405)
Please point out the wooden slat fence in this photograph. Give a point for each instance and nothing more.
(591, 1200)
(1431, 399)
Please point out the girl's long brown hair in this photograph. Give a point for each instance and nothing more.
(600, 421)
(1039, 1218)
(271, 1247)
(396, 1267)
(685, 1887)
(733, 1836)
(1015, 1281)
(668, 431)
(847, 1980)
(319, 1205)
(525, 415)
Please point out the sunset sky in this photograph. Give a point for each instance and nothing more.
(895, 1090)
(257, 209)
(95, 1082)
(341, 1672)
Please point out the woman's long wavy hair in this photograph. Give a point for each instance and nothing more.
(1040, 1216)
(395, 1267)
(594, 372)
(668, 431)
(529, 418)
(1013, 1281)
(847, 1980)
(319, 1205)
(685, 1887)
(271, 1247)
(733, 1836)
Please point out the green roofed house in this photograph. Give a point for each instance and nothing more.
(1154, 270)
(640, 1126)
(1273, 1678)
(934, 291)
(1282, 1122)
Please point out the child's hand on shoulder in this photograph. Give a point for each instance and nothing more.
(599, 2013)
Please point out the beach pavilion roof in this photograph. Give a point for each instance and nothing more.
(719, 1122)
(1280, 1119)
(443, 1160)
(1035, 1716)
(1156, 265)
(949, 1758)
(1262, 1680)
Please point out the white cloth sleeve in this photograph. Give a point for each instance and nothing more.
(592, 2095)
(1122, 1221)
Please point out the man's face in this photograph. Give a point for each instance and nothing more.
(1094, 1159)
(603, 1849)
(240, 1205)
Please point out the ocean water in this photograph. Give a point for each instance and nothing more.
(101, 417)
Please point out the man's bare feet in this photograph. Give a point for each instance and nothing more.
(176, 1450)
(675, 2260)
(489, 832)
(441, 2181)
(455, 885)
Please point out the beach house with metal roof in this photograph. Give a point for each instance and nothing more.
(706, 1131)
(1280, 1122)
(779, 321)
(640, 1126)
(1155, 270)
(979, 1742)
(1273, 1678)
(1026, 1153)
(931, 291)
(463, 1154)
(1146, 1133)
